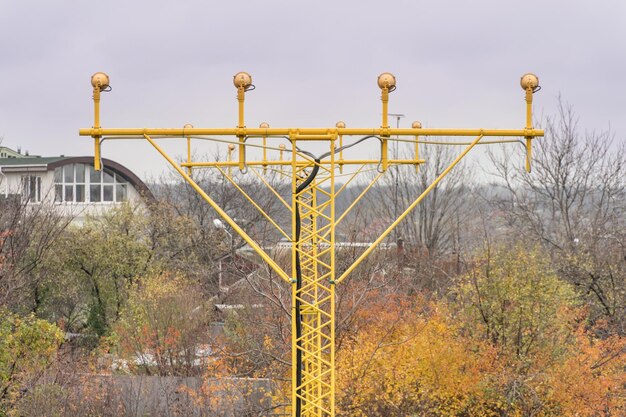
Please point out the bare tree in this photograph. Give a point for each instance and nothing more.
(573, 202)
(576, 188)
(28, 233)
(433, 227)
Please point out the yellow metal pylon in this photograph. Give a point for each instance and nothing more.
(313, 291)
(313, 213)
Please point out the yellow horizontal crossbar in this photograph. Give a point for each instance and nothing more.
(305, 164)
(328, 134)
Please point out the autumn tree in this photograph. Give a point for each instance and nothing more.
(27, 347)
(517, 300)
(407, 359)
(510, 341)
(573, 204)
(514, 299)
(100, 259)
(164, 328)
(97, 263)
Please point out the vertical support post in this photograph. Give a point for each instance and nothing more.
(99, 82)
(530, 84)
(385, 142)
(296, 400)
(387, 84)
(341, 154)
(96, 125)
(529, 125)
(188, 155)
(340, 125)
(241, 95)
(243, 83)
(331, 280)
(189, 169)
(264, 125)
(416, 125)
(264, 153)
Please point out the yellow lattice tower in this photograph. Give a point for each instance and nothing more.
(312, 207)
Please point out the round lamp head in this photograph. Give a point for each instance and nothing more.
(416, 125)
(242, 79)
(100, 79)
(386, 79)
(282, 146)
(340, 125)
(264, 125)
(231, 147)
(529, 80)
(188, 126)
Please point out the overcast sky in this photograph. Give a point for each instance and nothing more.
(457, 64)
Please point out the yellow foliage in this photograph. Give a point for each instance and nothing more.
(512, 343)
(404, 362)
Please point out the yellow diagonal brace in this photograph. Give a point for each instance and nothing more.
(222, 213)
(269, 186)
(407, 211)
(256, 206)
(354, 203)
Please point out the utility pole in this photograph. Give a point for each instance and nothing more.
(312, 273)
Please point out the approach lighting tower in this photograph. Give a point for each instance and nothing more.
(312, 274)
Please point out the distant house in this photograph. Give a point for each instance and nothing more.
(70, 183)
(10, 153)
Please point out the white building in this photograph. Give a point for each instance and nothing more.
(70, 183)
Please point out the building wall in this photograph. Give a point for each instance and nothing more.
(11, 184)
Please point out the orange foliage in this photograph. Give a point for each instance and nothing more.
(410, 357)
(592, 381)
(403, 361)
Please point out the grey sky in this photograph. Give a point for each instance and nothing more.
(457, 64)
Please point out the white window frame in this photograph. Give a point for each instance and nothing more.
(27, 184)
(118, 181)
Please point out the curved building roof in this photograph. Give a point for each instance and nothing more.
(50, 163)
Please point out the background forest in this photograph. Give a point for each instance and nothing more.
(497, 297)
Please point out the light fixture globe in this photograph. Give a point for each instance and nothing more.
(529, 80)
(100, 80)
(416, 125)
(264, 125)
(188, 126)
(231, 147)
(242, 79)
(282, 146)
(340, 125)
(386, 79)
